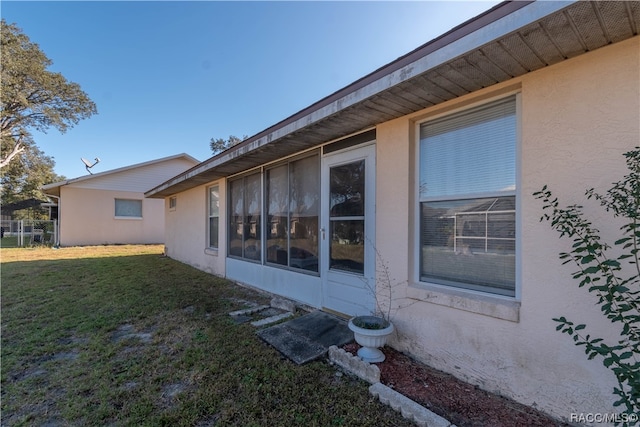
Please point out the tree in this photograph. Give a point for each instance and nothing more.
(22, 180)
(220, 144)
(33, 98)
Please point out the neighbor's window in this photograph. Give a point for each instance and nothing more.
(214, 215)
(293, 197)
(468, 199)
(128, 208)
(245, 208)
(173, 202)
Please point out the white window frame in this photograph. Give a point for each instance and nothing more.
(252, 227)
(288, 163)
(115, 208)
(173, 203)
(211, 215)
(494, 305)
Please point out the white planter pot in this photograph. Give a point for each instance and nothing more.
(371, 339)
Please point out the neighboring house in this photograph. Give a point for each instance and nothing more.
(110, 208)
(431, 162)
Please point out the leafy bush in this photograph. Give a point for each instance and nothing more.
(614, 280)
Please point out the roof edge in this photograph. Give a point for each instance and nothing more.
(117, 170)
(497, 21)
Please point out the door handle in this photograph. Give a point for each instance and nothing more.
(322, 231)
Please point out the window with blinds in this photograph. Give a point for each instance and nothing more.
(467, 198)
(214, 216)
(127, 208)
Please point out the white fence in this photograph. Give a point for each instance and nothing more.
(29, 232)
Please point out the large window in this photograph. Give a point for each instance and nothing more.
(292, 195)
(214, 216)
(245, 203)
(468, 199)
(127, 208)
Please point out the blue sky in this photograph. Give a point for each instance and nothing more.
(169, 76)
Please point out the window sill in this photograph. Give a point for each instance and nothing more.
(475, 302)
(137, 218)
(211, 251)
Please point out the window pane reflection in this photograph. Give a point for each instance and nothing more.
(347, 245)
(214, 215)
(245, 214)
(304, 199)
(347, 189)
(470, 242)
(277, 196)
(293, 199)
(252, 217)
(236, 203)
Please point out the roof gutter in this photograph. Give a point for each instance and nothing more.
(503, 19)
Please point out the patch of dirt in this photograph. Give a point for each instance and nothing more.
(28, 374)
(126, 332)
(461, 403)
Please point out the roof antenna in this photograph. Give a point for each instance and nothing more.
(88, 164)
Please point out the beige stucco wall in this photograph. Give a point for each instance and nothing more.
(186, 230)
(87, 217)
(577, 118)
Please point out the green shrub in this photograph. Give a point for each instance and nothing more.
(614, 280)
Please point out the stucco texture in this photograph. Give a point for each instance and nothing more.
(87, 217)
(576, 119)
(186, 230)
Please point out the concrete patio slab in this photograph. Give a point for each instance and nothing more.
(308, 337)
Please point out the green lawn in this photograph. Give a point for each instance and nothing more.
(9, 242)
(120, 335)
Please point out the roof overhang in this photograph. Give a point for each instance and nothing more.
(507, 41)
(53, 189)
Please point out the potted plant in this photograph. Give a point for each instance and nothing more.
(372, 331)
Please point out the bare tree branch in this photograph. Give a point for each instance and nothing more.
(17, 149)
(33, 97)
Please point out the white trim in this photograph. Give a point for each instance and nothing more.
(208, 217)
(450, 295)
(314, 154)
(442, 110)
(304, 288)
(519, 197)
(211, 251)
(334, 280)
(481, 195)
(115, 200)
(347, 149)
(492, 31)
(492, 305)
(122, 169)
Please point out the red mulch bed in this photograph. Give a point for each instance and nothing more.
(461, 403)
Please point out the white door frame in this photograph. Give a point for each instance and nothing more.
(344, 292)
